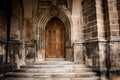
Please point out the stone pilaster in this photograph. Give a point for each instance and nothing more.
(101, 39)
(22, 47)
(77, 20)
(77, 36)
(69, 54)
(102, 59)
(100, 20)
(78, 52)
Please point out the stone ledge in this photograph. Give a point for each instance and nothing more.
(10, 42)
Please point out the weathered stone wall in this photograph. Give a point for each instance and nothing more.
(4, 8)
(89, 16)
(3, 34)
(91, 54)
(30, 32)
(113, 32)
(114, 39)
(15, 45)
(90, 31)
(113, 19)
(109, 38)
(94, 34)
(16, 20)
(3, 24)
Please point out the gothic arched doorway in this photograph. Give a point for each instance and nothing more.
(55, 39)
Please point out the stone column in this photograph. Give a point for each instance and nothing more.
(77, 36)
(101, 38)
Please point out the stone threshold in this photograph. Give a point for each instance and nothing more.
(54, 59)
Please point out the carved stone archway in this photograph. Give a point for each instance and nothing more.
(41, 23)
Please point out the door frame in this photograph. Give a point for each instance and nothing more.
(41, 22)
(64, 41)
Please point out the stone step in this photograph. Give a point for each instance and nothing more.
(55, 59)
(55, 66)
(88, 78)
(60, 75)
(52, 70)
(68, 63)
(54, 62)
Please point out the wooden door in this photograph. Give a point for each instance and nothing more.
(55, 39)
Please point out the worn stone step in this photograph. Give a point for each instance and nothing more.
(55, 66)
(52, 70)
(61, 75)
(88, 78)
(54, 62)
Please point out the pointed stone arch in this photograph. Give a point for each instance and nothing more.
(41, 24)
(45, 17)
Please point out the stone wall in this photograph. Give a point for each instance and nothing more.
(94, 34)
(90, 31)
(111, 11)
(114, 39)
(30, 32)
(113, 19)
(114, 34)
(15, 44)
(3, 32)
(89, 16)
(3, 24)
(91, 54)
(17, 18)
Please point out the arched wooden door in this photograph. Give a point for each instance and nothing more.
(55, 39)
